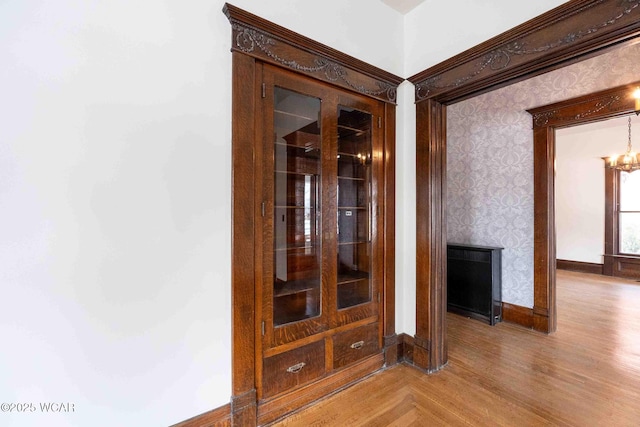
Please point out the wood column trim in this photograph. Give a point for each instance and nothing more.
(431, 236)
(244, 409)
(544, 248)
(243, 245)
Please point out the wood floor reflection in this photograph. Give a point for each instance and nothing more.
(586, 374)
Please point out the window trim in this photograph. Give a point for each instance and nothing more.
(616, 263)
(618, 178)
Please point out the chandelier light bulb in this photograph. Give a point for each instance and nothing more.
(636, 95)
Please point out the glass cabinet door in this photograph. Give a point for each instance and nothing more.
(296, 207)
(354, 255)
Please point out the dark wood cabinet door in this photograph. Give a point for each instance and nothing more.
(294, 140)
(359, 170)
(321, 158)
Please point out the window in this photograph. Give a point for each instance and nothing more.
(629, 213)
(622, 224)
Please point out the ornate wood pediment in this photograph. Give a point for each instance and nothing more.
(617, 101)
(271, 43)
(573, 30)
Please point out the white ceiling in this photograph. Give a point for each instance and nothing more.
(402, 6)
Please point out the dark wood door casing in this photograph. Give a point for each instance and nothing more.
(602, 105)
(571, 32)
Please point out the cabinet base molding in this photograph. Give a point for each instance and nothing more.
(284, 405)
(243, 409)
(391, 350)
(219, 417)
(405, 348)
(517, 314)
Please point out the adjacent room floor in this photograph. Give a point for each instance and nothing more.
(585, 374)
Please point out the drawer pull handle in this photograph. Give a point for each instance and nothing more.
(357, 345)
(296, 368)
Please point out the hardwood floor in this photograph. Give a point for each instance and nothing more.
(586, 374)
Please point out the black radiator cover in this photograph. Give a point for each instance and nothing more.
(474, 281)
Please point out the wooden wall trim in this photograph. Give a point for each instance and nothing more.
(519, 315)
(567, 33)
(582, 267)
(605, 104)
(544, 256)
(264, 40)
(430, 351)
(219, 417)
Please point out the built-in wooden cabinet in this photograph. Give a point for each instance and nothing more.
(313, 224)
(321, 158)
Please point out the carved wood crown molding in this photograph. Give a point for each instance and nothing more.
(574, 29)
(272, 43)
(617, 101)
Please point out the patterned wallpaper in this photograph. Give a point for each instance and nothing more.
(490, 161)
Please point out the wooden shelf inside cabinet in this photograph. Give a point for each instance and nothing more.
(303, 139)
(281, 288)
(351, 276)
(351, 178)
(353, 288)
(282, 318)
(296, 173)
(294, 247)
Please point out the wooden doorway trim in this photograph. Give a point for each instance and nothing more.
(606, 104)
(574, 31)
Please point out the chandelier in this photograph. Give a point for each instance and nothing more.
(629, 161)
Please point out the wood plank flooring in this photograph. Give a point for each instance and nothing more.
(586, 374)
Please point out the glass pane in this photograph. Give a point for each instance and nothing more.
(630, 191)
(296, 211)
(630, 233)
(354, 207)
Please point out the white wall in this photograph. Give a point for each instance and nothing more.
(406, 211)
(115, 170)
(430, 37)
(580, 200)
(115, 177)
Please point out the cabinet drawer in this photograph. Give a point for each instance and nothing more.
(355, 344)
(293, 368)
